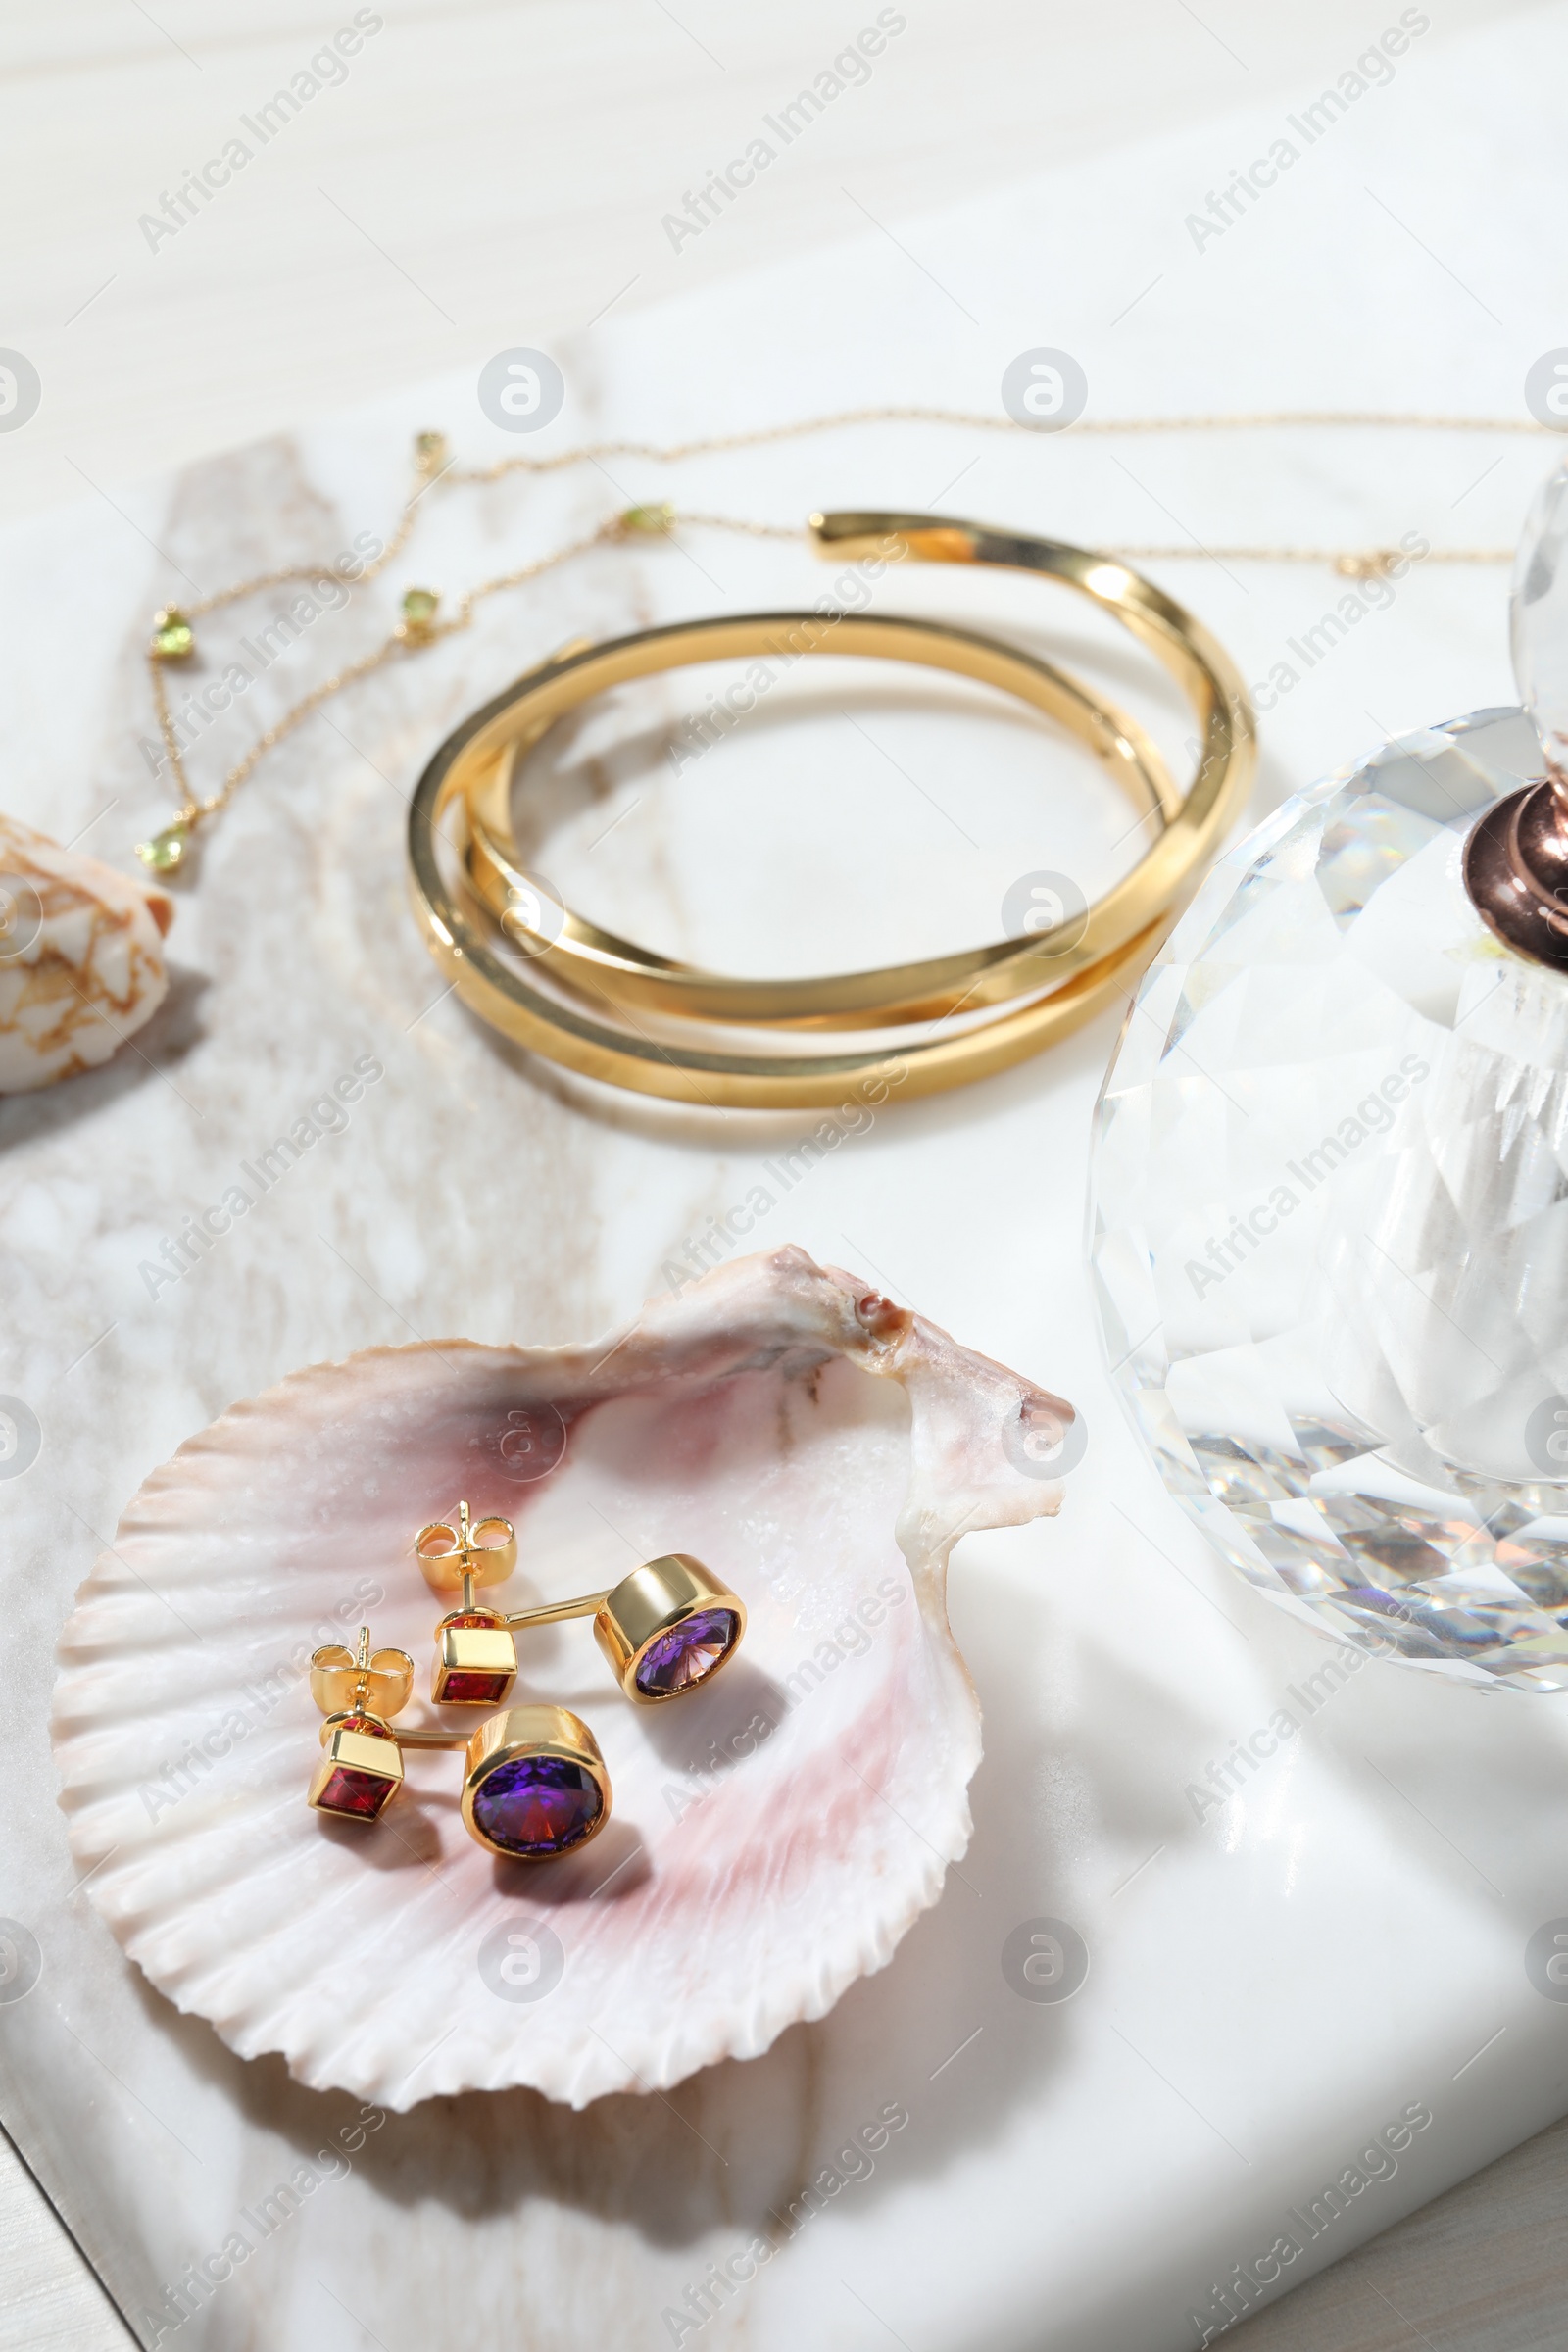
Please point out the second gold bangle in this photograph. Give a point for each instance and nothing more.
(469, 779)
(581, 956)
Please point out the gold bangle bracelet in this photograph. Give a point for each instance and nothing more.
(469, 763)
(581, 956)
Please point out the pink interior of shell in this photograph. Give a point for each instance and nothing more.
(774, 1832)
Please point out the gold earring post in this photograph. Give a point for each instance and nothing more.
(475, 1658)
(554, 1612)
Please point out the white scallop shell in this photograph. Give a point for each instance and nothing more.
(81, 958)
(774, 1832)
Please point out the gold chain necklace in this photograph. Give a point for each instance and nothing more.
(173, 638)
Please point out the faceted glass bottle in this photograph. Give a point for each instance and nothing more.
(1329, 1200)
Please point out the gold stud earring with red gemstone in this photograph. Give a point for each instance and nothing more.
(666, 1629)
(356, 1691)
(475, 1658)
(534, 1781)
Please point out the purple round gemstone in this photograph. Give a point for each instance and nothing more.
(682, 1657)
(537, 1806)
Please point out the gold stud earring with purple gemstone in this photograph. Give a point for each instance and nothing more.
(664, 1628)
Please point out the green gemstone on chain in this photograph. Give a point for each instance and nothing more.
(172, 634)
(167, 850)
(648, 519)
(430, 449)
(419, 606)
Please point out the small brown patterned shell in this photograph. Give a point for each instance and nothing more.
(81, 958)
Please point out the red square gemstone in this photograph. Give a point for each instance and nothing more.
(464, 1690)
(359, 1794)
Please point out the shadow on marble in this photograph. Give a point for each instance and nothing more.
(168, 1039)
(695, 1127)
(1445, 1769)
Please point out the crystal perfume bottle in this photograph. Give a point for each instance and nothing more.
(1328, 1198)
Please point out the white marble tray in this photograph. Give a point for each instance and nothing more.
(1270, 1984)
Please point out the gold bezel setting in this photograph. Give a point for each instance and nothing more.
(535, 1786)
(655, 1601)
(475, 1660)
(360, 1774)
